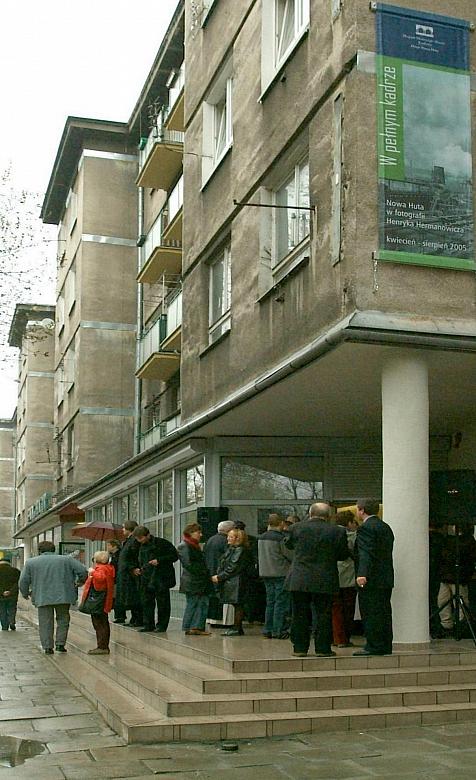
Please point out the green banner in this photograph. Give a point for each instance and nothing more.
(424, 140)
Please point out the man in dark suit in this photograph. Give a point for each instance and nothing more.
(156, 560)
(374, 577)
(313, 578)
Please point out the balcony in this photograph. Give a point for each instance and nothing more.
(161, 252)
(159, 356)
(160, 160)
(172, 220)
(158, 432)
(175, 114)
(173, 336)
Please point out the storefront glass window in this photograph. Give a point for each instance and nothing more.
(123, 509)
(149, 496)
(167, 493)
(272, 478)
(133, 513)
(194, 484)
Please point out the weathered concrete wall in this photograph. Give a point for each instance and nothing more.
(300, 104)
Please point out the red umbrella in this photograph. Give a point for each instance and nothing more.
(98, 531)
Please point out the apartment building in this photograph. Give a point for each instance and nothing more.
(32, 332)
(306, 312)
(7, 481)
(91, 196)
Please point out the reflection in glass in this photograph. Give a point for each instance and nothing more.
(194, 484)
(272, 478)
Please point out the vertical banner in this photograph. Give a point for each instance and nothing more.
(425, 170)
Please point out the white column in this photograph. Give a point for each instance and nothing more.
(26, 549)
(405, 435)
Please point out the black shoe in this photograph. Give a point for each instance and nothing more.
(368, 652)
(120, 621)
(234, 632)
(13, 627)
(284, 635)
(49, 651)
(160, 630)
(146, 630)
(329, 654)
(134, 624)
(60, 649)
(5, 629)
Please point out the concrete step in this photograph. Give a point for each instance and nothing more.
(153, 688)
(134, 721)
(174, 700)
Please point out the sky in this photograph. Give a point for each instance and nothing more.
(61, 58)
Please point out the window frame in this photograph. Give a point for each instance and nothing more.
(220, 94)
(279, 215)
(272, 60)
(220, 325)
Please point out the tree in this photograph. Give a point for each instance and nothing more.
(27, 261)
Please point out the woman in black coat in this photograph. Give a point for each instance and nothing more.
(232, 576)
(195, 581)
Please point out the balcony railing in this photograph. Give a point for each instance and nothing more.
(160, 158)
(158, 354)
(158, 433)
(161, 251)
(151, 339)
(176, 83)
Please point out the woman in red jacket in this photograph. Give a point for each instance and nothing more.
(101, 578)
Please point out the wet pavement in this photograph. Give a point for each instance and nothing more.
(48, 730)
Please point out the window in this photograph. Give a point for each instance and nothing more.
(70, 447)
(60, 313)
(220, 295)
(284, 24)
(217, 122)
(70, 287)
(291, 226)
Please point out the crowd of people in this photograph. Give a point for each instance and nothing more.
(300, 579)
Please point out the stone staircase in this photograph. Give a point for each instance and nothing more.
(154, 688)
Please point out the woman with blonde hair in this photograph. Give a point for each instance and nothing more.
(99, 582)
(232, 576)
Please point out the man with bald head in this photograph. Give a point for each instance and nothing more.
(314, 578)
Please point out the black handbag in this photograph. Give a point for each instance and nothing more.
(94, 602)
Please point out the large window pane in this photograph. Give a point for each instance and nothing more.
(194, 484)
(166, 489)
(274, 478)
(150, 500)
(133, 513)
(285, 23)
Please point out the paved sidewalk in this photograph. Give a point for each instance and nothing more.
(38, 706)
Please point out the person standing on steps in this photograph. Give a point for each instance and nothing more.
(313, 578)
(50, 579)
(233, 576)
(157, 575)
(375, 579)
(195, 581)
(101, 578)
(128, 595)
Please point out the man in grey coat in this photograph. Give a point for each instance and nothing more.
(50, 580)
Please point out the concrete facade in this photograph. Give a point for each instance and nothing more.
(33, 332)
(96, 316)
(7, 481)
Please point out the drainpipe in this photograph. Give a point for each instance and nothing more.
(140, 297)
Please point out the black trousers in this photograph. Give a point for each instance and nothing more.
(301, 627)
(376, 611)
(159, 597)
